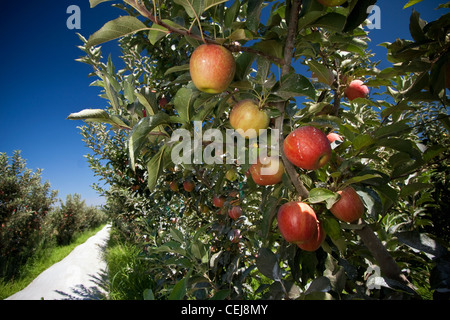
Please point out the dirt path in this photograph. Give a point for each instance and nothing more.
(79, 276)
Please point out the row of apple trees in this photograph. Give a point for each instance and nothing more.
(392, 150)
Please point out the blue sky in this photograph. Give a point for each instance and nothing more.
(41, 83)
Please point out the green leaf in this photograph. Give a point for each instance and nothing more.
(177, 235)
(267, 264)
(332, 21)
(154, 168)
(184, 67)
(358, 179)
(148, 294)
(183, 102)
(411, 3)
(416, 26)
(323, 74)
(254, 8)
(231, 13)
(294, 85)
(221, 294)
(94, 3)
(362, 141)
(98, 115)
(156, 33)
(413, 188)
(391, 130)
(317, 195)
(114, 29)
(139, 134)
(195, 8)
(358, 14)
(179, 290)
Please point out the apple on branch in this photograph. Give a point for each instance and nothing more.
(297, 222)
(212, 68)
(315, 242)
(235, 212)
(248, 119)
(307, 148)
(356, 89)
(267, 172)
(349, 207)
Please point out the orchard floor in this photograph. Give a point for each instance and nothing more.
(79, 276)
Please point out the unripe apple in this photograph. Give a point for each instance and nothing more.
(307, 148)
(297, 222)
(349, 207)
(315, 242)
(331, 3)
(188, 186)
(356, 89)
(218, 201)
(212, 68)
(235, 212)
(231, 174)
(267, 174)
(246, 115)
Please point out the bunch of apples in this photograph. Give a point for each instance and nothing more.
(212, 68)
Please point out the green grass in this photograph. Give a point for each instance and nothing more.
(40, 263)
(128, 273)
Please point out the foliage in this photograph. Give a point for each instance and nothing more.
(393, 151)
(29, 220)
(24, 203)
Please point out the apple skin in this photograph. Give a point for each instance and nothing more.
(307, 148)
(257, 172)
(333, 137)
(349, 207)
(173, 186)
(212, 68)
(356, 89)
(246, 115)
(297, 222)
(188, 186)
(218, 201)
(331, 3)
(235, 212)
(316, 242)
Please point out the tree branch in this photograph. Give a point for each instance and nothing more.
(140, 7)
(285, 69)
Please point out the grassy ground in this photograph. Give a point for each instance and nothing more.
(39, 264)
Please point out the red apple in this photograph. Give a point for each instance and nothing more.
(356, 89)
(218, 201)
(297, 222)
(173, 186)
(331, 3)
(212, 68)
(246, 115)
(349, 207)
(188, 186)
(316, 242)
(333, 137)
(235, 212)
(307, 148)
(267, 174)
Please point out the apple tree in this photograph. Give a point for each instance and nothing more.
(210, 227)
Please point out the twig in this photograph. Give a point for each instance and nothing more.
(140, 7)
(285, 69)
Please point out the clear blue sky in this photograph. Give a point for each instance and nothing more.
(41, 83)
